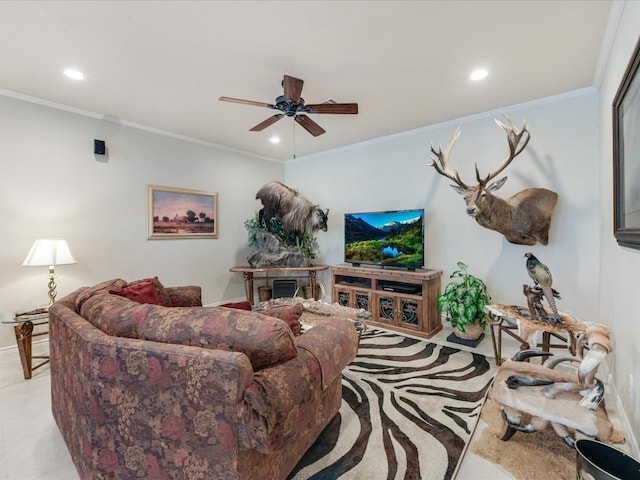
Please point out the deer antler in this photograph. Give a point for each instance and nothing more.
(444, 167)
(514, 137)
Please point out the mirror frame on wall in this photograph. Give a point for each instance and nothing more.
(626, 155)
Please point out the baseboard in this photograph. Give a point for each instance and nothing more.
(625, 424)
(13, 349)
(7, 350)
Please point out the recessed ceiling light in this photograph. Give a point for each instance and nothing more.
(478, 74)
(74, 74)
(274, 139)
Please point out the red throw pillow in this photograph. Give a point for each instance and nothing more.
(141, 292)
(163, 295)
(238, 305)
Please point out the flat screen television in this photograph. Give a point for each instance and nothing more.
(387, 239)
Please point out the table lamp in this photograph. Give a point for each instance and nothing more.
(51, 252)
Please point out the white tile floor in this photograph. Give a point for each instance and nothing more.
(31, 447)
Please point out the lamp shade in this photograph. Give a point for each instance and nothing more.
(49, 251)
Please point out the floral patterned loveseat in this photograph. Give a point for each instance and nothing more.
(181, 391)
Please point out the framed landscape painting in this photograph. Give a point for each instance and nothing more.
(182, 213)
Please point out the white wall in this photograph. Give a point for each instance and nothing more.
(51, 184)
(620, 266)
(394, 173)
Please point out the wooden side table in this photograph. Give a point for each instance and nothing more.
(516, 322)
(277, 273)
(23, 328)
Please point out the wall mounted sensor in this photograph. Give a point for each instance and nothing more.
(99, 147)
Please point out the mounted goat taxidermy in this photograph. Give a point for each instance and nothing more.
(525, 217)
(299, 216)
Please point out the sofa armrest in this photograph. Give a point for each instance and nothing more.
(111, 396)
(333, 343)
(284, 398)
(185, 296)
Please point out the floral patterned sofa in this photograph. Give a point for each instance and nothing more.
(179, 391)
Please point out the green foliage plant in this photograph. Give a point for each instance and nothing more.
(463, 301)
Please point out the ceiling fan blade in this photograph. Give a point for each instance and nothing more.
(309, 125)
(348, 108)
(292, 88)
(269, 121)
(245, 102)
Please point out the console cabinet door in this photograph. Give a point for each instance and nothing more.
(362, 300)
(398, 310)
(410, 312)
(385, 311)
(342, 296)
(353, 298)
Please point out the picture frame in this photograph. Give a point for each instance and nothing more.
(181, 213)
(626, 156)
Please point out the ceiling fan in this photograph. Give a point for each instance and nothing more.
(291, 104)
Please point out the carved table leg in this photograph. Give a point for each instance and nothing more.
(24, 333)
(248, 286)
(312, 282)
(496, 339)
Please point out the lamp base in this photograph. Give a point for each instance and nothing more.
(52, 287)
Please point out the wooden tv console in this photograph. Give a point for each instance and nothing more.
(402, 300)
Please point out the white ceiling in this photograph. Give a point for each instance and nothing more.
(163, 64)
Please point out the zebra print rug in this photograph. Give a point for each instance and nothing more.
(408, 410)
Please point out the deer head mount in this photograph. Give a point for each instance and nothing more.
(523, 218)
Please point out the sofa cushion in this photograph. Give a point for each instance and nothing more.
(115, 315)
(102, 287)
(185, 296)
(141, 292)
(165, 299)
(265, 340)
(289, 313)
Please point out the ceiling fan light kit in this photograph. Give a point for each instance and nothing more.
(291, 104)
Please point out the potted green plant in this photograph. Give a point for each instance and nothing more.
(463, 303)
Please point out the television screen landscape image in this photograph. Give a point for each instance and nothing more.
(389, 239)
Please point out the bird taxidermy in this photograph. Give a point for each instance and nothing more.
(542, 279)
(525, 217)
